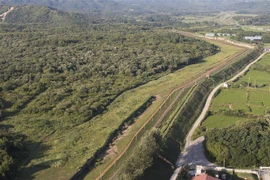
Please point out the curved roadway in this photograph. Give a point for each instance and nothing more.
(188, 155)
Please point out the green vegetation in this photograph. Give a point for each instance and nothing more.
(173, 141)
(243, 145)
(221, 121)
(145, 151)
(162, 87)
(232, 133)
(41, 15)
(262, 20)
(233, 175)
(71, 85)
(3, 9)
(56, 81)
(246, 176)
(85, 6)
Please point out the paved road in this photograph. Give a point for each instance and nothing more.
(193, 151)
(265, 175)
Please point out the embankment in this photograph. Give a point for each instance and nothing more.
(174, 140)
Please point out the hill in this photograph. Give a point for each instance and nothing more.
(105, 6)
(70, 5)
(258, 7)
(40, 15)
(187, 5)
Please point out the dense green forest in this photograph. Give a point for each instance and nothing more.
(244, 145)
(148, 6)
(261, 20)
(57, 77)
(70, 5)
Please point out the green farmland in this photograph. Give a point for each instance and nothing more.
(217, 121)
(241, 114)
(249, 94)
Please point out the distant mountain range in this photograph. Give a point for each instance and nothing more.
(89, 6)
(261, 7)
(41, 14)
(70, 5)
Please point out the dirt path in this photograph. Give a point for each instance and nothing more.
(230, 106)
(187, 156)
(3, 16)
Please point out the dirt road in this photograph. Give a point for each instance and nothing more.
(191, 156)
(3, 16)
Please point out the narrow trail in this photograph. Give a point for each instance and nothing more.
(3, 16)
(187, 156)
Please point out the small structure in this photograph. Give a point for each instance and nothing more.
(199, 170)
(226, 85)
(210, 35)
(204, 177)
(225, 34)
(267, 49)
(253, 38)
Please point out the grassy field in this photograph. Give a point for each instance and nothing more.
(46, 161)
(220, 121)
(265, 60)
(253, 101)
(256, 77)
(245, 176)
(235, 176)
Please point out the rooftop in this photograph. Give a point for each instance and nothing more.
(204, 177)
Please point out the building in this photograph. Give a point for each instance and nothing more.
(226, 85)
(204, 177)
(253, 38)
(225, 34)
(210, 34)
(267, 49)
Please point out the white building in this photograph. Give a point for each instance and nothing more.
(253, 38)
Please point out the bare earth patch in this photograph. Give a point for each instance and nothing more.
(113, 149)
(230, 106)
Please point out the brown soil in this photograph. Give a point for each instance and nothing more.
(230, 106)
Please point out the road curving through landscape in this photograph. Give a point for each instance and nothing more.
(189, 141)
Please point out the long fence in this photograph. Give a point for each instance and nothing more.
(166, 107)
(163, 110)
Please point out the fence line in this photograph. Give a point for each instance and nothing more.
(211, 70)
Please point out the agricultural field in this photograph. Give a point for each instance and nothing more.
(250, 95)
(217, 121)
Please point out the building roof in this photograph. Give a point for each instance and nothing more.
(252, 38)
(204, 177)
(210, 34)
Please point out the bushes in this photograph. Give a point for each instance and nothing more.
(143, 156)
(235, 113)
(174, 140)
(10, 149)
(245, 145)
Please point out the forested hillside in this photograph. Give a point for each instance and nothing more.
(146, 6)
(53, 79)
(41, 15)
(257, 7)
(85, 6)
(244, 145)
